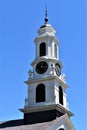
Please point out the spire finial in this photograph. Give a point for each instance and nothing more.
(46, 15)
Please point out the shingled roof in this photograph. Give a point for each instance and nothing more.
(19, 124)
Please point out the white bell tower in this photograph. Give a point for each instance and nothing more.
(46, 95)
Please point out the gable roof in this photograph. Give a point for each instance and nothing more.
(19, 125)
(62, 122)
(51, 125)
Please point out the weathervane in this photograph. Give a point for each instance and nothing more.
(46, 15)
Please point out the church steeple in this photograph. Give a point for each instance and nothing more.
(46, 95)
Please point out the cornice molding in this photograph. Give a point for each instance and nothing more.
(46, 108)
(48, 36)
(46, 58)
(35, 80)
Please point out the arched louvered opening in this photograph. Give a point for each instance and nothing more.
(43, 49)
(60, 95)
(40, 93)
(55, 47)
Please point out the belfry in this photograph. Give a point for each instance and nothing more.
(46, 85)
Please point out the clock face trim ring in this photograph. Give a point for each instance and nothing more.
(41, 67)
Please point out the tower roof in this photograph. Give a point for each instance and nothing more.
(46, 28)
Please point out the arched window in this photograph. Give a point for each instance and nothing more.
(40, 93)
(60, 95)
(55, 47)
(42, 49)
(61, 129)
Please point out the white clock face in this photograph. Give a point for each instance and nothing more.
(58, 69)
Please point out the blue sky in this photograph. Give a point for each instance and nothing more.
(19, 22)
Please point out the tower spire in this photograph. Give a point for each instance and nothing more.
(46, 15)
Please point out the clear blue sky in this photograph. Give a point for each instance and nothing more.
(19, 22)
